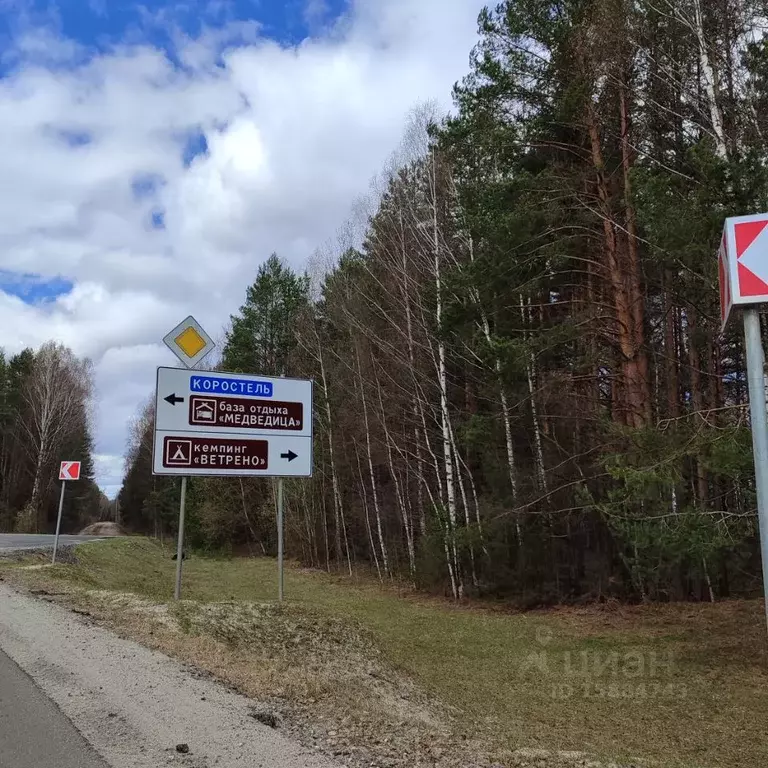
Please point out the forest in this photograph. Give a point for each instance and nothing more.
(45, 419)
(522, 388)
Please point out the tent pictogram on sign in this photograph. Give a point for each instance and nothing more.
(178, 453)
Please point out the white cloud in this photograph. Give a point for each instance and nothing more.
(294, 134)
(315, 12)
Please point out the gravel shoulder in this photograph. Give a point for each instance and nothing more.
(134, 705)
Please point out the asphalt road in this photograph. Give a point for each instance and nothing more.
(33, 732)
(16, 541)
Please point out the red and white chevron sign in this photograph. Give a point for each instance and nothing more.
(743, 262)
(69, 470)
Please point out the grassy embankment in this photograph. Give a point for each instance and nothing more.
(402, 674)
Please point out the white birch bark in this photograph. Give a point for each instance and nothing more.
(404, 514)
(530, 367)
(364, 496)
(337, 503)
(463, 493)
(411, 361)
(374, 491)
(442, 379)
(710, 83)
(505, 415)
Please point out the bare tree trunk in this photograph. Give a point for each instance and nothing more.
(505, 414)
(697, 399)
(476, 503)
(419, 492)
(530, 371)
(245, 512)
(708, 580)
(374, 492)
(325, 536)
(32, 517)
(405, 516)
(337, 503)
(311, 543)
(465, 503)
(634, 400)
(442, 382)
(364, 494)
(710, 83)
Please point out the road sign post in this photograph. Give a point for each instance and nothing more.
(68, 470)
(190, 343)
(180, 539)
(759, 422)
(58, 523)
(743, 271)
(214, 423)
(280, 530)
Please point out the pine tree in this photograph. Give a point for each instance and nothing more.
(262, 336)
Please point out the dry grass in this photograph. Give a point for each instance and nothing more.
(381, 675)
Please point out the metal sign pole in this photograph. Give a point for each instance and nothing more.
(58, 522)
(280, 539)
(759, 420)
(226, 424)
(180, 542)
(280, 533)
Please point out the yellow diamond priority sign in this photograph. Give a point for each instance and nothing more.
(189, 342)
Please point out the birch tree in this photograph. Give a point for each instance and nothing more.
(54, 394)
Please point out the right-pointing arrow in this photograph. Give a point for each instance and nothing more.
(290, 456)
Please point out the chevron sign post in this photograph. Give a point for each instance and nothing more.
(743, 268)
(68, 470)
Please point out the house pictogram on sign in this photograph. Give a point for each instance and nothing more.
(204, 410)
(178, 453)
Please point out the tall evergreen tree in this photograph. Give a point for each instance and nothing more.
(262, 336)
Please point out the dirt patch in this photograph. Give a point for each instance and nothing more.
(41, 555)
(103, 529)
(322, 679)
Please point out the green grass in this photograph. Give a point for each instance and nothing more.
(539, 679)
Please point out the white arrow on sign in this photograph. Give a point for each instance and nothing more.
(69, 470)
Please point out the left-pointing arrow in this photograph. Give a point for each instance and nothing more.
(172, 399)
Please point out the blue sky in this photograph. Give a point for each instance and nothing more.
(31, 288)
(102, 23)
(99, 25)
